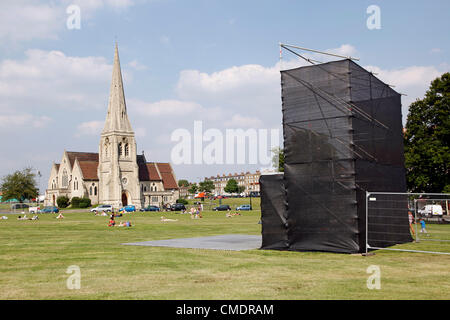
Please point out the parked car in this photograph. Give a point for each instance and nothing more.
(244, 207)
(431, 210)
(150, 208)
(177, 207)
(34, 209)
(222, 207)
(129, 208)
(49, 209)
(102, 208)
(19, 206)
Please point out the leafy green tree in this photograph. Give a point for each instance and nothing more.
(19, 185)
(183, 183)
(206, 186)
(278, 159)
(232, 186)
(193, 188)
(427, 138)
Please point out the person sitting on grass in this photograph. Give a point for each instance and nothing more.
(111, 223)
(60, 216)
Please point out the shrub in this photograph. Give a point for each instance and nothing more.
(183, 201)
(81, 202)
(75, 202)
(85, 203)
(63, 201)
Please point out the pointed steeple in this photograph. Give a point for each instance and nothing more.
(117, 117)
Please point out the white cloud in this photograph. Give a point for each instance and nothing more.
(168, 108)
(50, 79)
(23, 120)
(239, 121)
(136, 65)
(413, 81)
(435, 50)
(89, 128)
(24, 20)
(164, 40)
(140, 132)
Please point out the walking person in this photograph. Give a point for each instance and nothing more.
(423, 227)
(411, 222)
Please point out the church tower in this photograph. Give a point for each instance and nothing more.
(118, 171)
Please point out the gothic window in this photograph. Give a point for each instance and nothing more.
(127, 150)
(95, 190)
(75, 184)
(90, 191)
(120, 149)
(65, 179)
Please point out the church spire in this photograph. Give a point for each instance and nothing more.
(117, 117)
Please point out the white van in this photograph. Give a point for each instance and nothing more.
(431, 210)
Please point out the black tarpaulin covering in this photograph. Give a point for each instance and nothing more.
(273, 212)
(342, 136)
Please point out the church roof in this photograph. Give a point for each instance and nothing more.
(169, 182)
(89, 169)
(148, 172)
(156, 171)
(81, 156)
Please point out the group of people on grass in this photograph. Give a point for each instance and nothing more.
(112, 222)
(26, 218)
(196, 213)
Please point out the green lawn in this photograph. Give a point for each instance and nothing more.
(35, 255)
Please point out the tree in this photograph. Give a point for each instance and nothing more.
(193, 188)
(232, 186)
(206, 186)
(427, 138)
(278, 159)
(20, 185)
(183, 183)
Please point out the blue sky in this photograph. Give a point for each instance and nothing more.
(197, 60)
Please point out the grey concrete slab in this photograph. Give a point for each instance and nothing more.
(235, 242)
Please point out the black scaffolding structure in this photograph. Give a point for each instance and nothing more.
(342, 131)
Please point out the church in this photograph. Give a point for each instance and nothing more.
(116, 175)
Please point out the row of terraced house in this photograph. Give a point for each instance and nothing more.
(250, 181)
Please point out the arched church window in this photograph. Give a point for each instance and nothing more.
(95, 190)
(65, 179)
(127, 150)
(120, 149)
(90, 191)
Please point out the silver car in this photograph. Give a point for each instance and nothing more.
(102, 208)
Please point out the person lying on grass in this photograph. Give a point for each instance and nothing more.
(163, 219)
(124, 224)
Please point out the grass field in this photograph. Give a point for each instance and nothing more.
(35, 255)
